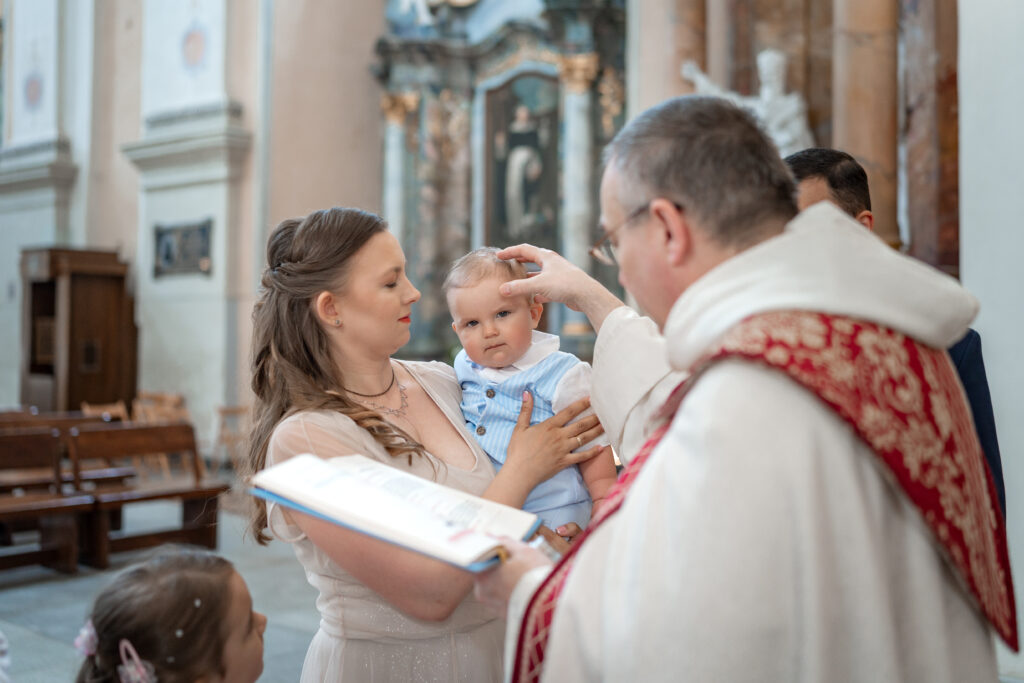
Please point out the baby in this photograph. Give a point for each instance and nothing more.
(503, 355)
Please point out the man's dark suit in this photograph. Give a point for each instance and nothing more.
(967, 360)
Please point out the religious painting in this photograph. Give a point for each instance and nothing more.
(182, 248)
(522, 162)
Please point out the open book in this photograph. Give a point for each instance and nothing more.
(369, 497)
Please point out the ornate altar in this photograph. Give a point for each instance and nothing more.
(495, 115)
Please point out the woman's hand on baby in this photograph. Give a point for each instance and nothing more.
(544, 449)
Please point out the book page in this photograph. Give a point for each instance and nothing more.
(397, 506)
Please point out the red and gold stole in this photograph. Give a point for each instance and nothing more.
(903, 399)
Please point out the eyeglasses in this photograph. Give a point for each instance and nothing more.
(604, 250)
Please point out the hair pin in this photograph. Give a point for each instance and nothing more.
(86, 640)
(133, 669)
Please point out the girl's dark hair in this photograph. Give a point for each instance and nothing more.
(292, 367)
(177, 591)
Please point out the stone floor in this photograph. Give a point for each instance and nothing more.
(41, 610)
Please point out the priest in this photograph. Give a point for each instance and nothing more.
(810, 500)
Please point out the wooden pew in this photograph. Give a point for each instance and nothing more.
(119, 411)
(156, 407)
(53, 512)
(30, 479)
(33, 478)
(198, 495)
(62, 420)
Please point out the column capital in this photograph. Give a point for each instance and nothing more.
(397, 105)
(578, 71)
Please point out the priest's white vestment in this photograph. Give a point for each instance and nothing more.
(762, 540)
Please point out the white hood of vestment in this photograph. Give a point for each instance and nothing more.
(826, 262)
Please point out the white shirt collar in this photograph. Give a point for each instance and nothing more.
(541, 346)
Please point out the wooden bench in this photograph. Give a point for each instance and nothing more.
(30, 479)
(54, 513)
(62, 420)
(34, 478)
(155, 407)
(233, 426)
(198, 495)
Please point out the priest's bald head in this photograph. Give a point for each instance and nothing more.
(688, 184)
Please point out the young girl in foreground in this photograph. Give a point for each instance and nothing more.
(183, 616)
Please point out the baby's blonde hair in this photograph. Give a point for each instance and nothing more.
(479, 264)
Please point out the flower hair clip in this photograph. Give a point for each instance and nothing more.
(133, 669)
(86, 640)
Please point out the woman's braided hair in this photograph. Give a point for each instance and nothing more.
(292, 366)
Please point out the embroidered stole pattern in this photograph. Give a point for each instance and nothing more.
(903, 400)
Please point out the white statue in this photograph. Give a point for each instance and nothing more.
(784, 115)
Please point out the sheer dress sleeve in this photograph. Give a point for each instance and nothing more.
(320, 433)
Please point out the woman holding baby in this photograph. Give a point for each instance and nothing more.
(335, 305)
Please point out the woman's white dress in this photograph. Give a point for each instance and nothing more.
(362, 637)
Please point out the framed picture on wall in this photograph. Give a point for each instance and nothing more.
(182, 248)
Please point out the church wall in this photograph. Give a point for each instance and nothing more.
(76, 32)
(326, 124)
(193, 155)
(662, 35)
(31, 63)
(37, 167)
(112, 215)
(991, 241)
(243, 55)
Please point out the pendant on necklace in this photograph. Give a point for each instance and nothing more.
(399, 411)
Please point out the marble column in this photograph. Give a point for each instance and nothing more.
(718, 35)
(396, 108)
(689, 22)
(662, 35)
(577, 73)
(931, 128)
(865, 99)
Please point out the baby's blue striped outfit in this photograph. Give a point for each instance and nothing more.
(491, 410)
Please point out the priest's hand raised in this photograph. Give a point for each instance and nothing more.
(560, 280)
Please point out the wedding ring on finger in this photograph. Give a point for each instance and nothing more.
(579, 441)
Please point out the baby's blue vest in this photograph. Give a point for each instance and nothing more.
(491, 410)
